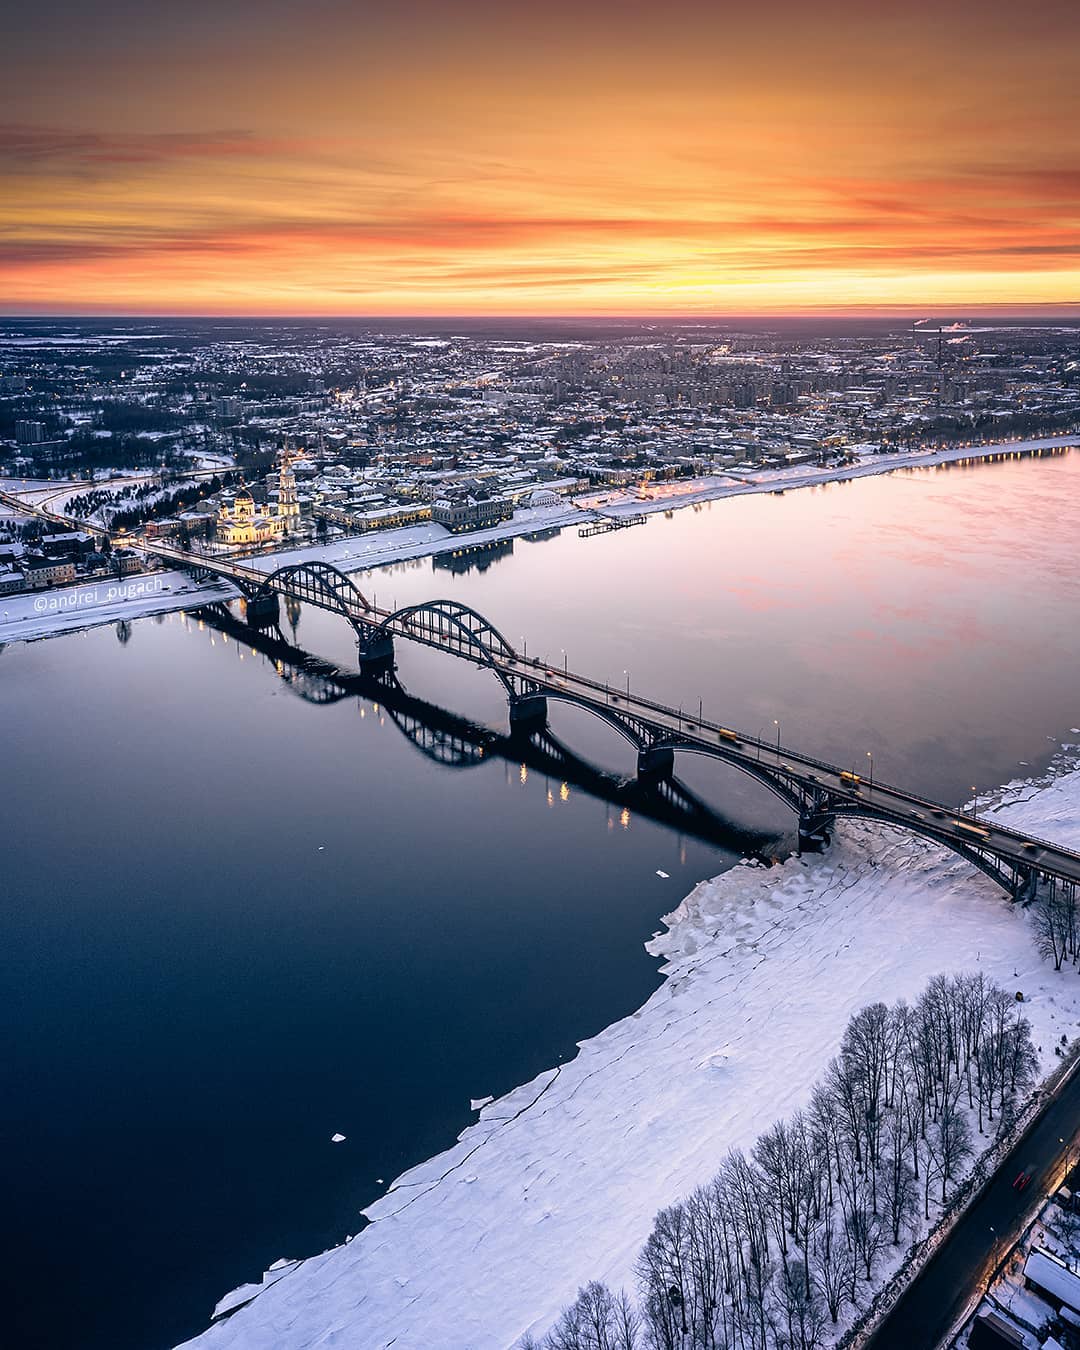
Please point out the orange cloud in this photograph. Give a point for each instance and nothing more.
(482, 157)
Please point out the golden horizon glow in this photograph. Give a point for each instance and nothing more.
(455, 160)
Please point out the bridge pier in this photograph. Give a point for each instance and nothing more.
(655, 762)
(262, 610)
(375, 651)
(815, 830)
(528, 709)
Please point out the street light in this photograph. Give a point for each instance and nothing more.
(975, 808)
(870, 757)
(776, 724)
(627, 674)
(563, 649)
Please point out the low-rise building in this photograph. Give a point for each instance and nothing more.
(76, 543)
(458, 514)
(126, 561)
(42, 572)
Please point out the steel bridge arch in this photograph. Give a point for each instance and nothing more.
(451, 626)
(989, 866)
(842, 806)
(634, 731)
(760, 773)
(628, 727)
(320, 584)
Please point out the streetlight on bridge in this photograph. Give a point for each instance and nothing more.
(776, 724)
(627, 674)
(870, 757)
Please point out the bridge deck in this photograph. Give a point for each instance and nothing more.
(920, 813)
(670, 728)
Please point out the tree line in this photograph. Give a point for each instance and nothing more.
(785, 1240)
(148, 502)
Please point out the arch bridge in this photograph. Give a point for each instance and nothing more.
(816, 791)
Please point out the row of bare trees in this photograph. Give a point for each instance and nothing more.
(780, 1244)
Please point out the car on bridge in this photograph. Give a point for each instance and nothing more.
(980, 830)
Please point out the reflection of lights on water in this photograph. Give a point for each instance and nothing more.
(363, 712)
(550, 797)
(564, 793)
(523, 775)
(682, 854)
(624, 818)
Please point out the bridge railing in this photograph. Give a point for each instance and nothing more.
(795, 757)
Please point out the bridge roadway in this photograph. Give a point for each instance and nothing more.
(684, 732)
(817, 791)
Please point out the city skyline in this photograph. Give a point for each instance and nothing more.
(463, 160)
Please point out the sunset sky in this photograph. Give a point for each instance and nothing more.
(472, 157)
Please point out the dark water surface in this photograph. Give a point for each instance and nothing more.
(235, 921)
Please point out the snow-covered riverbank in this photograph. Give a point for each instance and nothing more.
(558, 1181)
(66, 609)
(22, 617)
(670, 496)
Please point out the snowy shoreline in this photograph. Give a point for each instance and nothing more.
(558, 1181)
(32, 615)
(22, 620)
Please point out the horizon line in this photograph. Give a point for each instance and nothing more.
(1064, 309)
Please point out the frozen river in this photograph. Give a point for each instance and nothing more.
(238, 922)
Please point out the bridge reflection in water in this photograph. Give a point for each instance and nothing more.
(816, 791)
(457, 742)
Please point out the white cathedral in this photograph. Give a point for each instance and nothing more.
(239, 522)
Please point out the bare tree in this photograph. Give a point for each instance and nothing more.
(951, 1138)
(800, 1308)
(662, 1276)
(1054, 922)
(866, 1235)
(832, 1268)
(627, 1323)
(897, 1179)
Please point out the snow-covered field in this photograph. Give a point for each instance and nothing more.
(557, 1182)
